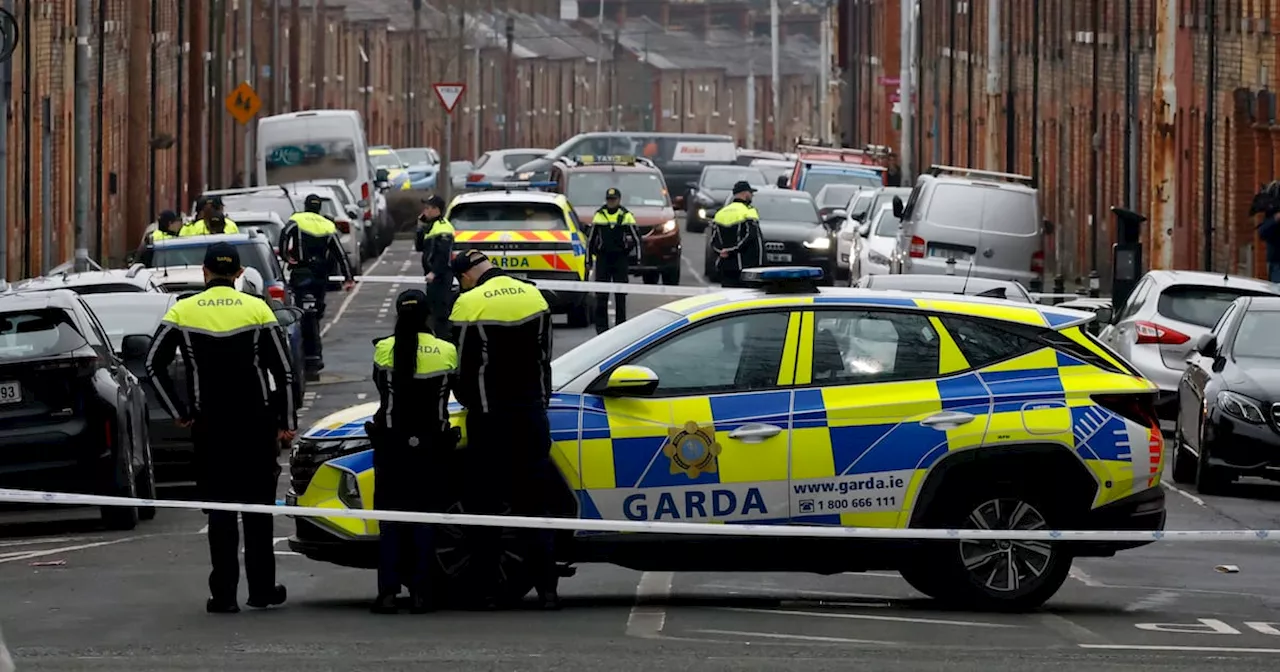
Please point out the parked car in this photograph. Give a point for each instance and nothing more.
(500, 165)
(774, 169)
(385, 158)
(1167, 311)
(1009, 290)
(1100, 307)
(267, 223)
(712, 189)
(273, 198)
(819, 175)
(793, 233)
(1229, 399)
(422, 165)
(458, 172)
(835, 197)
(344, 213)
(136, 278)
(72, 415)
(873, 244)
(178, 263)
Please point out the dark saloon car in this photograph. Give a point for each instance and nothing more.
(1229, 399)
(72, 415)
(713, 188)
(793, 233)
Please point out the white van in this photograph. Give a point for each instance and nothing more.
(318, 145)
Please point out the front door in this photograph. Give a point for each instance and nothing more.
(711, 443)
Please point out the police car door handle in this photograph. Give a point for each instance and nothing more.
(947, 419)
(755, 431)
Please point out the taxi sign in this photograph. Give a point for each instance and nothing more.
(617, 159)
(243, 103)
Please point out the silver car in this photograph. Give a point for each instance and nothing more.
(1167, 311)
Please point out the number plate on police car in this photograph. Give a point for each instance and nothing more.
(10, 392)
(786, 258)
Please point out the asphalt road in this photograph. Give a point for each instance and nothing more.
(135, 601)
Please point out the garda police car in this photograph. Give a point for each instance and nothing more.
(531, 234)
(786, 404)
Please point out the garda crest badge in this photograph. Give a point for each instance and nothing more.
(692, 450)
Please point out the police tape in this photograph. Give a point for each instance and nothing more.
(655, 527)
(593, 287)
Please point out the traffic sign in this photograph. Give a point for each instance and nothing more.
(243, 103)
(449, 94)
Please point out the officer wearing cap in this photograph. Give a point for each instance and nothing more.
(502, 326)
(231, 346)
(168, 226)
(311, 248)
(613, 243)
(735, 238)
(434, 239)
(210, 219)
(411, 435)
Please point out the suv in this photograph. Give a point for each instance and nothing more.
(136, 278)
(73, 418)
(179, 262)
(584, 181)
(988, 223)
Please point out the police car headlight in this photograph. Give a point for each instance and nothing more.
(349, 491)
(822, 243)
(668, 226)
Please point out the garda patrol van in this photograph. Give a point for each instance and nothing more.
(790, 404)
(530, 234)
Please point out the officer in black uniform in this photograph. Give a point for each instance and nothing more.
(613, 243)
(502, 326)
(311, 249)
(413, 370)
(230, 342)
(434, 239)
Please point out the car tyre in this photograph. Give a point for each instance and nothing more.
(650, 277)
(671, 274)
(1184, 463)
(579, 314)
(146, 479)
(466, 581)
(969, 576)
(1210, 480)
(124, 484)
(695, 225)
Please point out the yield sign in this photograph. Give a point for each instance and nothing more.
(449, 94)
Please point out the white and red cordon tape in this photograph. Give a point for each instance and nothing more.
(705, 529)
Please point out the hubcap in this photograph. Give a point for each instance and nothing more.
(1003, 565)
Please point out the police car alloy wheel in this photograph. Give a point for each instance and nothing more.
(466, 578)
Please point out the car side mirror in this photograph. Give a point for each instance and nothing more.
(363, 203)
(898, 207)
(693, 186)
(837, 215)
(381, 175)
(864, 229)
(1105, 316)
(135, 347)
(353, 212)
(782, 182)
(1207, 345)
(632, 381)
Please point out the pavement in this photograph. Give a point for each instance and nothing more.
(75, 597)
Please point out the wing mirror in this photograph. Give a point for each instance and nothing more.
(1105, 316)
(135, 347)
(864, 229)
(381, 175)
(782, 182)
(898, 207)
(632, 381)
(835, 217)
(353, 212)
(1207, 345)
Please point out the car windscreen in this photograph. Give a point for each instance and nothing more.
(991, 208)
(252, 255)
(1257, 335)
(886, 223)
(262, 202)
(1198, 305)
(837, 196)
(268, 228)
(314, 160)
(507, 216)
(772, 173)
(516, 159)
(639, 189)
(107, 288)
(785, 209)
(121, 318)
(415, 157)
(815, 181)
(37, 333)
(386, 160)
(595, 351)
(724, 177)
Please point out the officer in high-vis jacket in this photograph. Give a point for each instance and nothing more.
(311, 250)
(434, 239)
(735, 236)
(502, 326)
(232, 348)
(168, 225)
(613, 243)
(210, 219)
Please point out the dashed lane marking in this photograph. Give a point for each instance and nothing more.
(68, 549)
(1184, 493)
(1153, 601)
(798, 638)
(1070, 629)
(867, 617)
(647, 620)
(1159, 647)
(42, 540)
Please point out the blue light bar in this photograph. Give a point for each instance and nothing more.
(511, 185)
(781, 273)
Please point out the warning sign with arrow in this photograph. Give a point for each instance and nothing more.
(449, 94)
(244, 103)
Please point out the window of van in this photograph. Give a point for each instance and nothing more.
(314, 159)
(989, 208)
(507, 216)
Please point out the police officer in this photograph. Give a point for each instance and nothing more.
(502, 326)
(310, 247)
(613, 242)
(207, 209)
(168, 224)
(434, 239)
(228, 340)
(413, 370)
(735, 238)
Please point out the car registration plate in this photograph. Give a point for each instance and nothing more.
(946, 254)
(10, 392)
(786, 258)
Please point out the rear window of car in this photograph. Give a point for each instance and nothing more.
(1201, 306)
(814, 181)
(37, 333)
(110, 288)
(514, 161)
(991, 208)
(278, 203)
(258, 256)
(268, 228)
(120, 319)
(507, 216)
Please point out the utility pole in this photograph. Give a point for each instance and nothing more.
(1164, 101)
(1129, 88)
(599, 65)
(751, 90)
(824, 75)
(509, 83)
(995, 51)
(414, 117)
(295, 55)
(319, 42)
(951, 82)
(84, 17)
(615, 88)
(139, 123)
(907, 91)
(6, 94)
(776, 89)
(444, 180)
(248, 77)
(276, 107)
(1035, 93)
(198, 12)
(218, 76)
(1095, 141)
(1210, 121)
(1010, 93)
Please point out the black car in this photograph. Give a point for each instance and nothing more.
(713, 188)
(793, 233)
(1008, 290)
(72, 415)
(1229, 399)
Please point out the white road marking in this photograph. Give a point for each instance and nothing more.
(1160, 647)
(68, 549)
(734, 589)
(1184, 493)
(689, 265)
(1153, 601)
(1070, 629)
(647, 620)
(1079, 575)
(42, 540)
(361, 395)
(883, 575)
(867, 617)
(204, 530)
(801, 638)
(342, 309)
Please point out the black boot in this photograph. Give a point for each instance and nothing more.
(548, 595)
(275, 598)
(385, 604)
(215, 606)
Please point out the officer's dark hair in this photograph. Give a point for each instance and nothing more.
(412, 312)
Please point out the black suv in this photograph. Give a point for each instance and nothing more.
(72, 416)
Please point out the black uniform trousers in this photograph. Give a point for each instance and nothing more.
(405, 553)
(516, 444)
(611, 267)
(440, 302)
(237, 462)
(305, 282)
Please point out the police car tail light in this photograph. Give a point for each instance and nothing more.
(1140, 408)
(1152, 333)
(276, 292)
(917, 247)
(349, 491)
